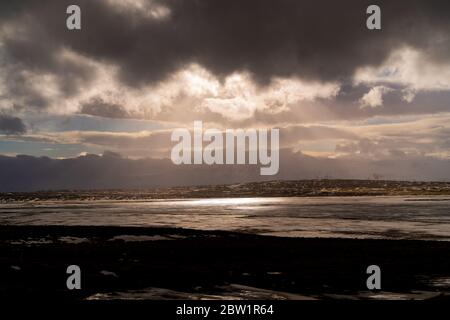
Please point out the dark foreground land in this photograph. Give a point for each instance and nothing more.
(157, 263)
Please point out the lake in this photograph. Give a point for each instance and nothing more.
(344, 217)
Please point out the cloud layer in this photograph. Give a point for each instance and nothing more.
(145, 42)
(313, 69)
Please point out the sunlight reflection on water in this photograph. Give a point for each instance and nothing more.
(351, 217)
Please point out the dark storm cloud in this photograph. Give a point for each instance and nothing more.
(11, 125)
(323, 40)
(98, 107)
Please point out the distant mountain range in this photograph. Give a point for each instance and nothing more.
(111, 171)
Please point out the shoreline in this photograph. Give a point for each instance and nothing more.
(288, 188)
(407, 197)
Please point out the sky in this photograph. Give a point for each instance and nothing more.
(137, 69)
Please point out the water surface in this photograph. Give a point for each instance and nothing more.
(350, 217)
